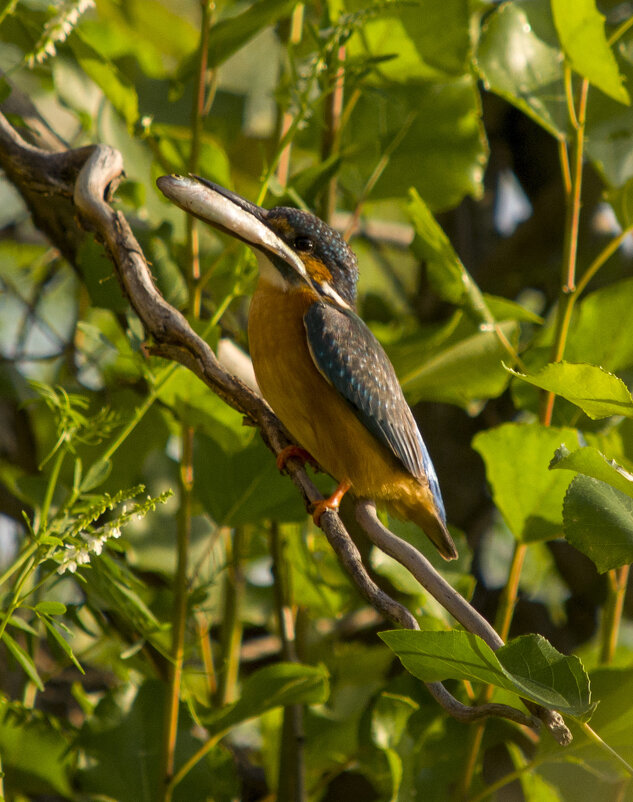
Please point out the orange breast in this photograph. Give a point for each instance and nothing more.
(318, 418)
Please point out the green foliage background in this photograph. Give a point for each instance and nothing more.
(485, 151)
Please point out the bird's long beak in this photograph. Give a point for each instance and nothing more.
(229, 212)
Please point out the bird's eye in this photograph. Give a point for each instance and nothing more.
(303, 244)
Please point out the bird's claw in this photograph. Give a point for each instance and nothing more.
(331, 503)
(295, 452)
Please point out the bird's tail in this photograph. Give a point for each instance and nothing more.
(416, 504)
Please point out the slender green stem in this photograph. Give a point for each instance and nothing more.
(612, 614)
(182, 772)
(50, 490)
(508, 599)
(601, 258)
(181, 589)
(179, 621)
(291, 784)
(231, 638)
(621, 30)
(568, 291)
(593, 736)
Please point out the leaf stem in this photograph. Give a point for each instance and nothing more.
(612, 614)
(179, 620)
(568, 290)
(50, 490)
(181, 589)
(593, 736)
(231, 637)
(291, 774)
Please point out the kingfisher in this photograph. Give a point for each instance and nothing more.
(318, 365)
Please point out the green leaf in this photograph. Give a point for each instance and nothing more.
(528, 495)
(528, 666)
(243, 487)
(443, 152)
(601, 333)
(448, 276)
(580, 28)
(24, 660)
(463, 370)
(278, 685)
(96, 475)
(519, 58)
(50, 608)
(598, 393)
(598, 521)
(543, 672)
(432, 45)
(230, 34)
(591, 462)
(118, 89)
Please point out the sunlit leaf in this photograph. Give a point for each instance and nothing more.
(528, 666)
(529, 496)
(590, 462)
(598, 393)
(519, 57)
(580, 28)
(277, 685)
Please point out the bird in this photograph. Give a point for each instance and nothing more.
(317, 364)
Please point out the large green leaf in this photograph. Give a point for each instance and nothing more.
(520, 58)
(443, 152)
(599, 394)
(590, 462)
(461, 364)
(528, 495)
(243, 487)
(274, 686)
(598, 521)
(581, 31)
(602, 333)
(429, 45)
(528, 666)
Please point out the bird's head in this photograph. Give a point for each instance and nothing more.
(294, 247)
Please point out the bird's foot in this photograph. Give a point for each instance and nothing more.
(331, 503)
(295, 452)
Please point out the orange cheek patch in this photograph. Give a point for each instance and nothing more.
(316, 269)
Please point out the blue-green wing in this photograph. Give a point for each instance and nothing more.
(352, 360)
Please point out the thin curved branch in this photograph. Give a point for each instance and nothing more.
(88, 176)
(420, 568)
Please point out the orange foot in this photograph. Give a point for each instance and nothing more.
(295, 452)
(331, 503)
